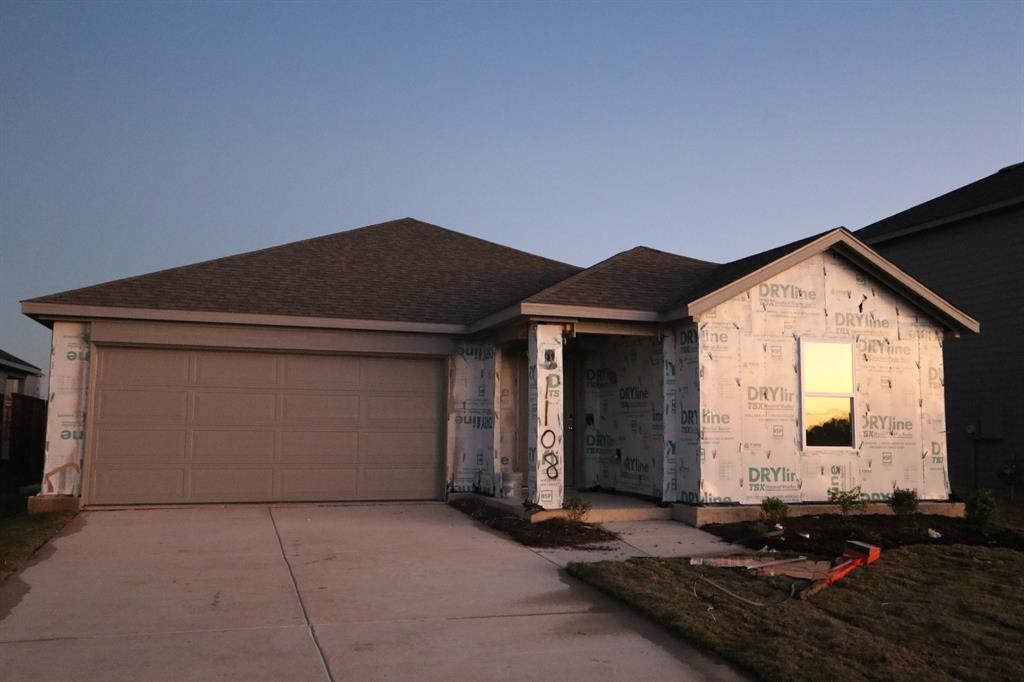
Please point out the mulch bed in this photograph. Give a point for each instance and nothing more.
(553, 533)
(829, 533)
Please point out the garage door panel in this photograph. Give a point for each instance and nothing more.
(225, 426)
(168, 407)
(321, 409)
(236, 370)
(232, 484)
(320, 371)
(233, 446)
(155, 446)
(134, 486)
(235, 408)
(397, 449)
(408, 413)
(402, 484)
(319, 484)
(403, 374)
(130, 367)
(310, 447)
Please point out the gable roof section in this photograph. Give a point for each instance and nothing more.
(1002, 189)
(403, 270)
(8, 360)
(734, 278)
(638, 279)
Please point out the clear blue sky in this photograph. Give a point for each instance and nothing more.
(142, 136)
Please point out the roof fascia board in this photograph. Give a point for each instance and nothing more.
(866, 257)
(61, 310)
(585, 312)
(965, 215)
(504, 315)
(616, 328)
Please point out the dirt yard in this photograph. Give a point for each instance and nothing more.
(920, 612)
(22, 534)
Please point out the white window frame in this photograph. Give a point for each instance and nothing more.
(852, 395)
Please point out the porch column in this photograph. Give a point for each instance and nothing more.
(546, 466)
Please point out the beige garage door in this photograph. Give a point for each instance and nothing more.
(214, 426)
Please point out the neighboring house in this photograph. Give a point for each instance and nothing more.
(403, 361)
(16, 376)
(968, 245)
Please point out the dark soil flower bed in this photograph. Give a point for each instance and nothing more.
(553, 533)
(828, 533)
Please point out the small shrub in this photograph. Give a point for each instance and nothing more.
(773, 510)
(576, 507)
(903, 501)
(847, 500)
(982, 509)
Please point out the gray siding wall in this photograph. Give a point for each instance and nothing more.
(979, 266)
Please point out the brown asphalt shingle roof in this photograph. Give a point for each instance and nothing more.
(1003, 186)
(638, 279)
(410, 271)
(403, 270)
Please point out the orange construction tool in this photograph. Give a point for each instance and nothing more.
(857, 554)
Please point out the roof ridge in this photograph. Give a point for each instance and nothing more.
(297, 242)
(673, 254)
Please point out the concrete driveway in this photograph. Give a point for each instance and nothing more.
(311, 592)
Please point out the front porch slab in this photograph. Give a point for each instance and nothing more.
(604, 508)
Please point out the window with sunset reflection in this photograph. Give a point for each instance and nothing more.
(827, 396)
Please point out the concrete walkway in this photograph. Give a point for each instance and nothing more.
(646, 538)
(375, 592)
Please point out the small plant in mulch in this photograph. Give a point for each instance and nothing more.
(773, 511)
(848, 501)
(552, 533)
(982, 509)
(903, 503)
(576, 507)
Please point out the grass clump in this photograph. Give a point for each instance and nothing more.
(848, 501)
(982, 509)
(773, 511)
(576, 507)
(903, 502)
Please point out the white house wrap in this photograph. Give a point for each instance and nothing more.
(66, 415)
(471, 419)
(546, 465)
(751, 443)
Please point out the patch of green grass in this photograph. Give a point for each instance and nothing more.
(925, 612)
(21, 533)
